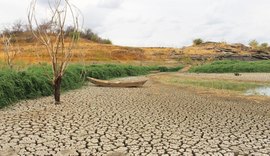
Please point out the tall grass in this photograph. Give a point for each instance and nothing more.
(36, 81)
(233, 66)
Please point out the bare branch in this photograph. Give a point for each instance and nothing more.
(10, 50)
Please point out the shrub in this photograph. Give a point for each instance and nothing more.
(264, 45)
(197, 41)
(90, 35)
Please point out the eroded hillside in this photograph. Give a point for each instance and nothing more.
(89, 51)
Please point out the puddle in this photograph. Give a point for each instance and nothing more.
(265, 91)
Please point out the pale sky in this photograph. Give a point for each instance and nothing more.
(173, 23)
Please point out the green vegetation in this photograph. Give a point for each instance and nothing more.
(264, 46)
(197, 41)
(216, 84)
(233, 66)
(36, 81)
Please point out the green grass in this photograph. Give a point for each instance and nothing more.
(216, 84)
(233, 66)
(36, 81)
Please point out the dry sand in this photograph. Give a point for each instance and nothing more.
(153, 120)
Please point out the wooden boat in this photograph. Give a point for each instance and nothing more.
(104, 83)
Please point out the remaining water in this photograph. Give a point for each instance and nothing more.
(265, 91)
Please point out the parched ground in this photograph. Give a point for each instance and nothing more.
(154, 120)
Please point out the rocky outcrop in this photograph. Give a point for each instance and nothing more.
(221, 51)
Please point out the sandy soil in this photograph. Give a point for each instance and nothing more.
(154, 120)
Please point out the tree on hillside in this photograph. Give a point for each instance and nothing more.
(90, 35)
(197, 41)
(17, 27)
(51, 35)
(264, 46)
(253, 44)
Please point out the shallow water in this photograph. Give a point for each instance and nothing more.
(265, 91)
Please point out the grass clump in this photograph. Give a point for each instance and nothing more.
(233, 67)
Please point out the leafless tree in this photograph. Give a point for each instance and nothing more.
(51, 34)
(10, 49)
(18, 27)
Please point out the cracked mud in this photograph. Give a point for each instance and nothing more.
(154, 120)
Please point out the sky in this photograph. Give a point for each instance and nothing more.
(164, 23)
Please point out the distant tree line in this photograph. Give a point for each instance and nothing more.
(22, 32)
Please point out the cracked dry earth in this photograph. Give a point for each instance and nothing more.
(153, 120)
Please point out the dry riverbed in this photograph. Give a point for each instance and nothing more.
(156, 119)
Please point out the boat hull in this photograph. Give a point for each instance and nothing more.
(104, 83)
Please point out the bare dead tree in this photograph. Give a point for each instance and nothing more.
(18, 27)
(10, 50)
(51, 35)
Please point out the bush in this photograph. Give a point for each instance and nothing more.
(197, 41)
(264, 45)
(90, 35)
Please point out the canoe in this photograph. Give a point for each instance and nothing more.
(104, 83)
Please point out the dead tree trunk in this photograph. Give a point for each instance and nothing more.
(57, 89)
